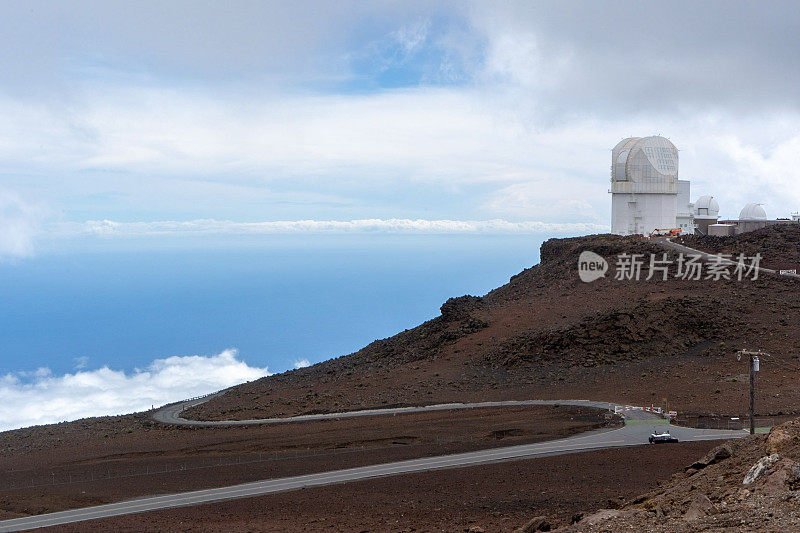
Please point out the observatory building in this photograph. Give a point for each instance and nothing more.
(706, 213)
(646, 194)
(751, 217)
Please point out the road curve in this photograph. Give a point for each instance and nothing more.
(170, 414)
(634, 433)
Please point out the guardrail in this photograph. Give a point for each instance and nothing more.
(620, 409)
(199, 397)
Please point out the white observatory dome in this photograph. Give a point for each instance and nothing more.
(652, 160)
(753, 212)
(644, 186)
(706, 207)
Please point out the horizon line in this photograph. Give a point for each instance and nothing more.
(111, 228)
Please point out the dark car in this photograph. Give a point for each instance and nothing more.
(661, 438)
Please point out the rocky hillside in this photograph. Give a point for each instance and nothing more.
(546, 334)
(748, 485)
(779, 244)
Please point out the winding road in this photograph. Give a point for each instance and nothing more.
(638, 427)
(171, 414)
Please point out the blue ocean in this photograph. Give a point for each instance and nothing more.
(276, 299)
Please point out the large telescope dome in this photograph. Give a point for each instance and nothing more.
(644, 186)
(645, 160)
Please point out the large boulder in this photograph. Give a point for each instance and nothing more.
(701, 506)
(720, 453)
(539, 523)
(603, 515)
(457, 309)
(761, 467)
(784, 440)
(784, 475)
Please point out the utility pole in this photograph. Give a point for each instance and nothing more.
(755, 363)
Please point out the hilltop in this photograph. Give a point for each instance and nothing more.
(779, 244)
(546, 334)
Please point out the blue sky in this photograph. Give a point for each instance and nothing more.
(196, 133)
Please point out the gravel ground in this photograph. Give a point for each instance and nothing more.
(498, 497)
(299, 448)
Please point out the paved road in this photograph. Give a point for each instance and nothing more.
(170, 414)
(635, 433)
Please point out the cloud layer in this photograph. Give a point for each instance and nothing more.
(626, 57)
(42, 398)
(110, 228)
(389, 110)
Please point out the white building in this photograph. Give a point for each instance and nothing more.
(646, 195)
(645, 188)
(685, 217)
(751, 217)
(706, 213)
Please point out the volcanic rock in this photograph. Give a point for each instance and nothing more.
(760, 468)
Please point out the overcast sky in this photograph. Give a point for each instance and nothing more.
(286, 111)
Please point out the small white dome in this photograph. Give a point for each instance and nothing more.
(706, 207)
(753, 212)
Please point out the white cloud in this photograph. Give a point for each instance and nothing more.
(19, 224)
(524, 135)
(699, 55)
(537, 199)
(109, 228)
(437, 153)
(375, 137)
(302, 363)
(40, 397)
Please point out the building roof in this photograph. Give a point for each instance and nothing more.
(706, 207)
(753, 211)
(651, 159)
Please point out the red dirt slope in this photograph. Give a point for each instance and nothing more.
(546, 334)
